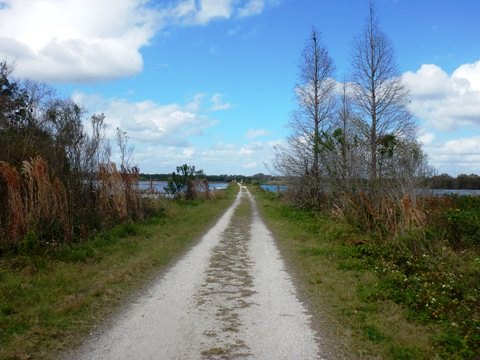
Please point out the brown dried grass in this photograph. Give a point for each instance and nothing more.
(45, 199)
(130, 179)
(111, 195)
(15, 223)
(383, 214)
(35, 201)
(38, 201)
(118, 193)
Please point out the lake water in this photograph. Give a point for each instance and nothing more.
(439, 192)
(274, 188)
(159, 186)
(434, 192)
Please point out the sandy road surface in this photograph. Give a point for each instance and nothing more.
(229, 297)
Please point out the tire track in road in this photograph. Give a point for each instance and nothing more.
(229, 297)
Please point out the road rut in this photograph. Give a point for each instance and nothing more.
(229, 297)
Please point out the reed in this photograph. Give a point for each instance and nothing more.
(14, 228)
(386, 215)
(118, 193)
(39, 205)
(36, 203)
(130, 178)
(111, 195)
(46, 202)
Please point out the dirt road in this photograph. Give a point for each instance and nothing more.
(229, 297)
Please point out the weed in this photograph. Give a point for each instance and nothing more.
(49, 301)
(411, 296)
(373, 334)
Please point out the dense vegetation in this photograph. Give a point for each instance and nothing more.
(415, 296)
(57, 183)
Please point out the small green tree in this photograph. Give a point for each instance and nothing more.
(182, 183)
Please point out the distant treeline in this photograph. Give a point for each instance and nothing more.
(462, 181)
(260, 178)
(443, 181)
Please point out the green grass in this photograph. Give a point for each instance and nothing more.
(378, 298)
(51, 300)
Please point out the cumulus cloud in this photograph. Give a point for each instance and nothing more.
(426, 138)
(445, 101)
(219, 158)
(149, 122)
(87, 40)
(455, 156)
(75, 40)
(231, 158)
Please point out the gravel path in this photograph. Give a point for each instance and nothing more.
(229, 297)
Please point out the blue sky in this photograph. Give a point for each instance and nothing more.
(210, 82)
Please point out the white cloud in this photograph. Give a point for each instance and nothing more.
(252, 7)
(426, 138)
(211, 9)
(219, 158)
(251, 165)
(255, 133)
(218, 103)
(471, 73)
(88, 40)
(188, 152)
(149, 122)
(247, 158)
(245, 151)
(75, 40)
(445, 101)
(167, 135)
(455, 156)
(201, 12)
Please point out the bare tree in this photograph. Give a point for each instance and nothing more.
(345, 162)
(379, 95)
(315, 99)
(96, 149)
(126, 150)
(303, 159)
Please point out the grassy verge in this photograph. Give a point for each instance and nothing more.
(49, 301)
(384, 304)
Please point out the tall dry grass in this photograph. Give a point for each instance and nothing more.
(36, 201)
(112, 199)
(130, 178)
(386, 215)
(39, 204)
(118, 193)
(46, 202)
(13, 213)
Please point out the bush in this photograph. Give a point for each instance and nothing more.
(463, 222)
